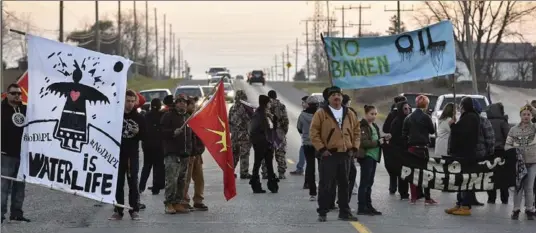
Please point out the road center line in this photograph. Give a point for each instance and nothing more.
(360, 227)
(290, 161)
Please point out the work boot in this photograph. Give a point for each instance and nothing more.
(116, 216)
(19, 219)
(451, 210)
(515, 214)
(272, 184)
(180, 209)
(245, 176)
(530, 215)
(169, 209)
(256, 185)
(200, 207)
(322, 218)
(297, 173)
(462, 211)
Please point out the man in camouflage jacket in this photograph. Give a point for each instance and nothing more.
(282, 122)
(239, 118)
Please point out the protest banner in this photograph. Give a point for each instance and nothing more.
(459, 174)
(74, 120)
(386, 60)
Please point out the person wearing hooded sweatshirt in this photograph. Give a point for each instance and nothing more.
(12, 130)
(301, 159)
(304, 123)
(389, 163)
(177, 141)
(264, 140)
(416, 130)
(153, 156)
(335, 134)
(398, 145)
(463, 143)
(195, 167)
(134, 131)
(499, 122)
(239, 118)
(279, 112)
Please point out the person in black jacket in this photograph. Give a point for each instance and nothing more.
(398, 145)
(463, 143)
(134, 131)
(177, 141)
(13, 115)
(153, 155)
(390, 165)
(263, 138)
(416, 131)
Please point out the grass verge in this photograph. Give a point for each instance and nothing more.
(139, 83)
(319, 87)
(311, 87)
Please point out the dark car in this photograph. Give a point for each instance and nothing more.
(240, 77)
(257, 76)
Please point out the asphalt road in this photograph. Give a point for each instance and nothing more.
(288, 211)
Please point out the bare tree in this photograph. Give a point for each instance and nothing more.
(491, 23)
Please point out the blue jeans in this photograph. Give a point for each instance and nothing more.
(301, 160)
(10, 168)
(368, 171)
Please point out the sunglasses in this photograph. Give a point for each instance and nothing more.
(15, 93)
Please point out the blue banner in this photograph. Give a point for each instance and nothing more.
(380, 61)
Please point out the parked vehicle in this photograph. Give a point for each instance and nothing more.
(196, 91)
(216, 78)
(214, 70)
(443, 100)
(257, 76)
(151, 94)
(240, 77)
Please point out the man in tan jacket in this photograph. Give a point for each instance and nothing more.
(335, 134)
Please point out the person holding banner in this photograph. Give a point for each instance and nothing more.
(463, 143)
(416, 130)
(522, 137)
(499, 122)
(336, 136)
(13, 119)
(133, 132)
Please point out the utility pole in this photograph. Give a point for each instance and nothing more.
(156, 43)
(164, 56)
(469, 40)
(288, 68)
(296, 61)
(399, 29)
(283, 65)
(343, 10)
(61, 22)
(329, 22)
(360, 23)
(398, 11)
(97, 27)
(275, 67)
(146, 38)
(308, 68)
(135, 39)
(179, 57)
(119, 36)
(170, 49)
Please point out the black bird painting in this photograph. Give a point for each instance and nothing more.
(72, 126)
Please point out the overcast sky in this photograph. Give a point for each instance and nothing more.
(242, 35)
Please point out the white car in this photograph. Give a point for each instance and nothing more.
(196, 91)
(443, 100)
(151, 94)
(215, 79)
(319, 96)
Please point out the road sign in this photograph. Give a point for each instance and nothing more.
(289, 64)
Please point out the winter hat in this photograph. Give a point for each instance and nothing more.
(272, 94)
(304, 99)
(168, 100)
(263, 100)
(467, 104)
(156, 104)
(325, 93)
(312, 100)
(333, 90)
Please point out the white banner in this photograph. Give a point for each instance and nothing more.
(74, 119)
